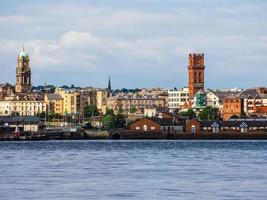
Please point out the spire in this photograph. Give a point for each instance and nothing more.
(109, 87)
(23, 49)
(109, 83)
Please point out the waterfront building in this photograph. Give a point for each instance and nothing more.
(22, 107)
(72, 101)
(89, 96)
(101, 99)
(229, 126)
(196, 69)
(214, 98)
(255, 99)
(177, 98)
(129, 101)
(232, 107)
(23, 73)
(54, 103)
(156, 125)
(250, 102)
(20, 123)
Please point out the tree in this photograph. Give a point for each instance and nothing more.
(189, 113)
(41, 115)
(124, 90)
(120, 110)
(108, 121)
(120, 121)
(110, 112)
(90, 110)
(132, 109)
(209, 113)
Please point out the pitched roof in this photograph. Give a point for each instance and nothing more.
(19, 119)
(236, 123)
(166, 121)
(223, 94)
(52, 96)
(250, 93)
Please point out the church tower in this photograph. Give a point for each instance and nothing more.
(23, 73)
(109, 90)
(196, 69)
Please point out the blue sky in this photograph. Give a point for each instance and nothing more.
(139, 43)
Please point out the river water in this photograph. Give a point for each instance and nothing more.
(133, 170)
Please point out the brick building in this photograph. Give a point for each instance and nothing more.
(196, 69)
(232, 106)
(126, 102)
(155, 124)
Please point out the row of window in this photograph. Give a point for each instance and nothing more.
(178, 100)
(178, 94)
(145, 128)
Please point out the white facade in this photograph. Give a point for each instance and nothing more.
(22, 108)
(177, 98)
(213, 100)
(150, 112)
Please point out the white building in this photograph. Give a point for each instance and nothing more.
(213, 100)
(177, 98)
(22, 107)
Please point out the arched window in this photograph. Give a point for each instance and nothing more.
(145, 127)
(193, 129)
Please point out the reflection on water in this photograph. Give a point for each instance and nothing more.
(133, 170)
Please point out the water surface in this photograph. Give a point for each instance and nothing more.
(133, 170)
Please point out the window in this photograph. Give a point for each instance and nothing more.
(145, 127)
(137, 128)
(243, 128)
(152, 127)
(193, 129)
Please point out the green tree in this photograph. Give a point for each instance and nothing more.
(90, 110)
(120, 110)
(41, 115)
(209, 113)
(132, 109)
(120, 121)
(124, 90)
(189, 113)
(110, 112)
(108, 121)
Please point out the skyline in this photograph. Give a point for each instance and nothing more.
(143, 41)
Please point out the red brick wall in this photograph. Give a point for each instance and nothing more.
(193, 122)
(196, 69)
(142, 122)
(232, 106)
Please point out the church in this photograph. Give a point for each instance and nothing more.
(23, 73)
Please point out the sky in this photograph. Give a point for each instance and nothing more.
(138, 43)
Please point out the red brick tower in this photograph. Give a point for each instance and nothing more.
(196, 69)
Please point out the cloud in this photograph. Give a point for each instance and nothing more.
(73, 39)
(145, 39)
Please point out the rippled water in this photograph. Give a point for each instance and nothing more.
(133, 170)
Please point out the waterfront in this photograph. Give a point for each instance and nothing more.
(133, 170)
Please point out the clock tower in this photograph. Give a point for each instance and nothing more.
(23, 73)
(196, 69)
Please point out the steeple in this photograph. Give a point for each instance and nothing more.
(109, 90)
(23, 73)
